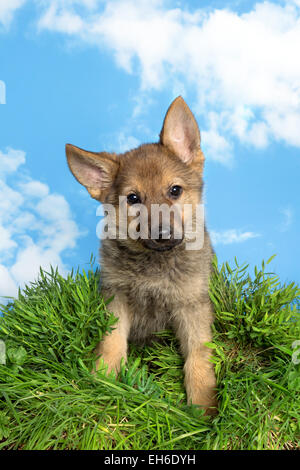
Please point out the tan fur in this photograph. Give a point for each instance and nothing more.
(113, 348)
(154, 290)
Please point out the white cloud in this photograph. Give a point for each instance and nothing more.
(35, 189)
(66, 22)
(8, 286)
(287, 218)
(215, 145)
(245, 67)
(6, 243)
(126, 142)
(7, 10)
(10, 161)
(227, 237)
(36, 226)
(28, 261)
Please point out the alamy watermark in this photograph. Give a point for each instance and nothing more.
(2, 92)
(173, 224)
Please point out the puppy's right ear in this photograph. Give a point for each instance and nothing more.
(95, 171)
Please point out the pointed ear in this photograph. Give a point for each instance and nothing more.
(95, 171)
(180, 132)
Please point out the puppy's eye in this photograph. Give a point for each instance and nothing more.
(175, 191)
(133, 199)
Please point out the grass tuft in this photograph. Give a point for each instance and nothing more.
(50, 400)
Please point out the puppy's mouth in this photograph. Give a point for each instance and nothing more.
(162, 245)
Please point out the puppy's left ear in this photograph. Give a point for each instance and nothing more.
(180, 132)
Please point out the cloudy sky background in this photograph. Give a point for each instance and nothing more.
(101, 74)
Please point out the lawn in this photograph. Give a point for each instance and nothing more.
(50, 400)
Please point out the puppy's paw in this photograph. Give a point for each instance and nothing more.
(110, 356)
(205, 399)
(200, 383)
(103, 366)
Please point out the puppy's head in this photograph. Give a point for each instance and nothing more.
(145, 184)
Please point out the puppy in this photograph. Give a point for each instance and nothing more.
(156, 281)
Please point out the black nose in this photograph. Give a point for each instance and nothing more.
(162, 239)
(164, 235)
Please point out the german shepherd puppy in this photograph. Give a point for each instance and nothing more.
(156, 283)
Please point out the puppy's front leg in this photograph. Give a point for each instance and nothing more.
(113, 346)
(193, 327)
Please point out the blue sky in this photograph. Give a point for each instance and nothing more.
(101, 75)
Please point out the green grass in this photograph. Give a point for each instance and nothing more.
(50, 400)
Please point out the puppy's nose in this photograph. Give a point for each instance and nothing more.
(164, 235)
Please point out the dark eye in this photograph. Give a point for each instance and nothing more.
(133, 199)
(175, 191)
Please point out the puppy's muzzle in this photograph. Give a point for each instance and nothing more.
(164, 240)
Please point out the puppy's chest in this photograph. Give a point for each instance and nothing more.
(151, 305)
(152, 297)
(154, 289)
